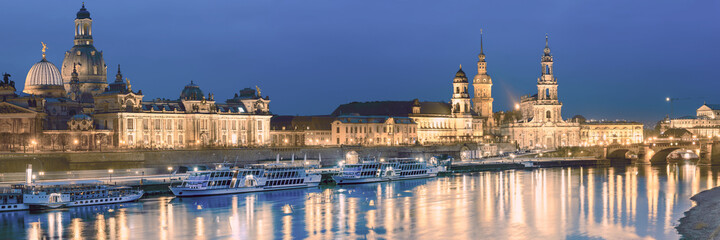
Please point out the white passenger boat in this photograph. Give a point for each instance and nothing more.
(11, 200)
(253, 178)
(529, 164)
(408, 168)
(72, 194)
(391, 170)
(365, 172)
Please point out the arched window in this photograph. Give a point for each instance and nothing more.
(547, 93)
(547, 69)
(457, 89)
(548, 114)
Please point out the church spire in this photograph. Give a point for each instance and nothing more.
(481, 43)
(118, 76)
(547, 47)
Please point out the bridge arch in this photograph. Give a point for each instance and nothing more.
(661, 155)
(622, 154)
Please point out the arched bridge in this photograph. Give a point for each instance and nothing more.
(657, 152)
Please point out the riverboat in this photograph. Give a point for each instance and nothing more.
(73, 194)
(391, 170)
(252, 178)
(11, 200)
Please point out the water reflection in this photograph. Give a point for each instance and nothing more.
(612, 203)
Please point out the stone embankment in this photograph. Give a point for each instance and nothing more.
(703, 220)
(72, 161)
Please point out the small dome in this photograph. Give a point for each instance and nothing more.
(460, 73)
(191, 92)
(83, 13)
(460, 76)
(80, 116)
(43, 73)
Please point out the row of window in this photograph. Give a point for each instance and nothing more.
(98, 200)
(220, 183)
(285, 182)
(377, 141)
(385, 129)
(274, 175)
(411, 167)
(418, 172)
(170, 123)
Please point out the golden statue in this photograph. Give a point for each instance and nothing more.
(129, 87)
(257, 89)
(44, 48)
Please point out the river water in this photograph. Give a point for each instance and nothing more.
(633, 202)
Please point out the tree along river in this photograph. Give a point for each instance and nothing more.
(628, 202)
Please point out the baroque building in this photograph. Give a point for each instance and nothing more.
(373, 130)
(705, 123)
(437, 122)
(608, 133)
(297, 131)
(76, 108)
(482, 84)
(541, 124)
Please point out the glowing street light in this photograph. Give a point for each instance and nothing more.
(110, 171)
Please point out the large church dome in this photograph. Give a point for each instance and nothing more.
(91, 69)
(191, 92)
(44, 79)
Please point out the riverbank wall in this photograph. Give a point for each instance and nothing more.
(72, 161)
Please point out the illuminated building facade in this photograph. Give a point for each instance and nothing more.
(76, 108)
(297, 131)
(436, 122)
(541, 125)
(605, 133)
(706, 122)
(374, 130)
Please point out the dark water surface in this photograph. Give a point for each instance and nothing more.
(634, 202)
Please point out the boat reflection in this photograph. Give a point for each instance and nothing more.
(612, 203)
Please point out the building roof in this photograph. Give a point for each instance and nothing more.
(81, 116)
(301, 122)
(391, 108)
(675, 133)
(713, 106)
(83, 13)
(191, 92)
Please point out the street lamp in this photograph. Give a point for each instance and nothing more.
(110, 171)
(34, 143)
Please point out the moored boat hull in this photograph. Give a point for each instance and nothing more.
(107, 200)
(188, 192)
(340, 180)
(13, 207)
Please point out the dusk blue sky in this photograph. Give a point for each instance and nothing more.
(613, 59)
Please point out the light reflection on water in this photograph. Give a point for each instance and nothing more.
(612, 203)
